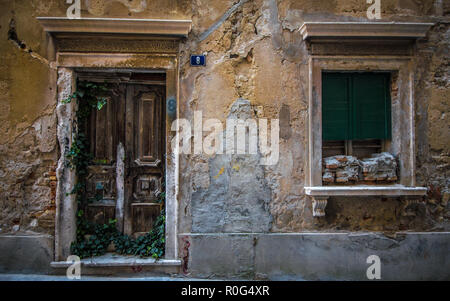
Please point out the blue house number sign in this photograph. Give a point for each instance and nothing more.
(198, 60)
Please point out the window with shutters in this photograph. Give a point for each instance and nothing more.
(361, 104)
(356, 113)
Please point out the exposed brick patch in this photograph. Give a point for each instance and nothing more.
(379, 168)
(53, 182)
(185, 255)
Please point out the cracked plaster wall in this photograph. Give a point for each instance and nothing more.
(253, 52)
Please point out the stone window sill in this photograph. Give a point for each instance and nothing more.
(320, 194)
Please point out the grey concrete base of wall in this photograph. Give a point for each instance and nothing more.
(319, 256)
(26, 253)
(305, 256)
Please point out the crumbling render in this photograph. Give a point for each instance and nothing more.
(12, 36)
(222, 19)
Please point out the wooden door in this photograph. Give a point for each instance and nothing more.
(128, 142)
(145, 144)
(105, 130)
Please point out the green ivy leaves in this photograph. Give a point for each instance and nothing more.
(97, 242)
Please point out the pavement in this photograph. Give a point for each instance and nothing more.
(33, 277)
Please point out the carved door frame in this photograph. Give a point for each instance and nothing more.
(146, 54)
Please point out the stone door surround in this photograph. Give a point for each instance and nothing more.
(105, 44)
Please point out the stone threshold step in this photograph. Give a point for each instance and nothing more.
(114, 260)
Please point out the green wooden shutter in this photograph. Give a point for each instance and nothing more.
(371, 106)
(335, 106)
(356, 106)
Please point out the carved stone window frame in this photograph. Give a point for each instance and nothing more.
(363, 47)
(112, 44)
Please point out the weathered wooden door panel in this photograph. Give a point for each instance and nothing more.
(101, 213)
(144, 214)
(144, 149)
(133, 117)
(103, 136)
(106, 126)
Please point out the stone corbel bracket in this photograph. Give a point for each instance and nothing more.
(318, 205)
(410, 201)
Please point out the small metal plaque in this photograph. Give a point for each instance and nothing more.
(198, 60)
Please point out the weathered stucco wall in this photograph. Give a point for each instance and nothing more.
(254, 52)
(28, 141)
(257, 54)
(28, 123)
